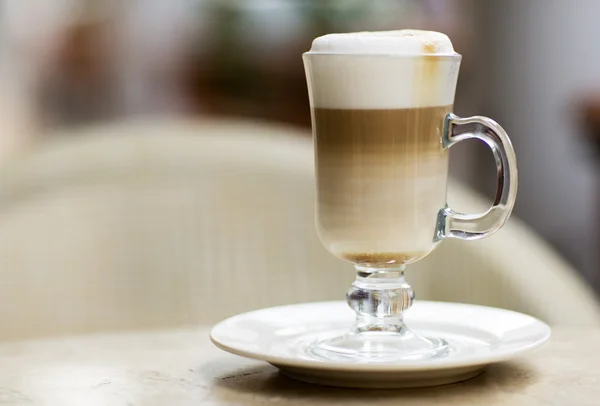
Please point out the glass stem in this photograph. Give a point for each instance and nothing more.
(380, 296)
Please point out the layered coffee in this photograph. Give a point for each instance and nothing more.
(381, 181)
(379, 101)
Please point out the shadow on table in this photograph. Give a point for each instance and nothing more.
(264, 381)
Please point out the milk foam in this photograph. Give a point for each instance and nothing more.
(400, 42)
(382, 70)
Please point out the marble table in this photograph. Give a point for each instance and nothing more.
(182, 367)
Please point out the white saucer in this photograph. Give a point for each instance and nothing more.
(478, 336)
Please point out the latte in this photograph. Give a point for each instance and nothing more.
(378, 102)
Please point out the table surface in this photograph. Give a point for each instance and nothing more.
(182, 367)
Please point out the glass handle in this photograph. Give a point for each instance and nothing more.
(474, 226)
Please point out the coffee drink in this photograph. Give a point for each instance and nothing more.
(379, 101)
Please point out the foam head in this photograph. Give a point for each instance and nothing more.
(382, 70)
(400, 42)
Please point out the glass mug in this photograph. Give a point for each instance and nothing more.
(382, 127)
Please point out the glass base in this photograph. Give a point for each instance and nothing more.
(379, 296)
(378, 346)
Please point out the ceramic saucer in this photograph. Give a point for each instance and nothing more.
(478, 336)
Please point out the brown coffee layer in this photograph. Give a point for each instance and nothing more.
(393, 131)
(381, 259)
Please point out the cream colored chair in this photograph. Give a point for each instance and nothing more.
(162, 224)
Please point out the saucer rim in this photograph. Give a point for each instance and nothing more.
(442, 363)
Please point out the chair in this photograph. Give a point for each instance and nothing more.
(162, 224)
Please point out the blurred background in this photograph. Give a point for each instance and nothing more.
(534, 66)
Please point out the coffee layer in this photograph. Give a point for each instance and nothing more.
(381, 180)
(389, 133)
(381, 258)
